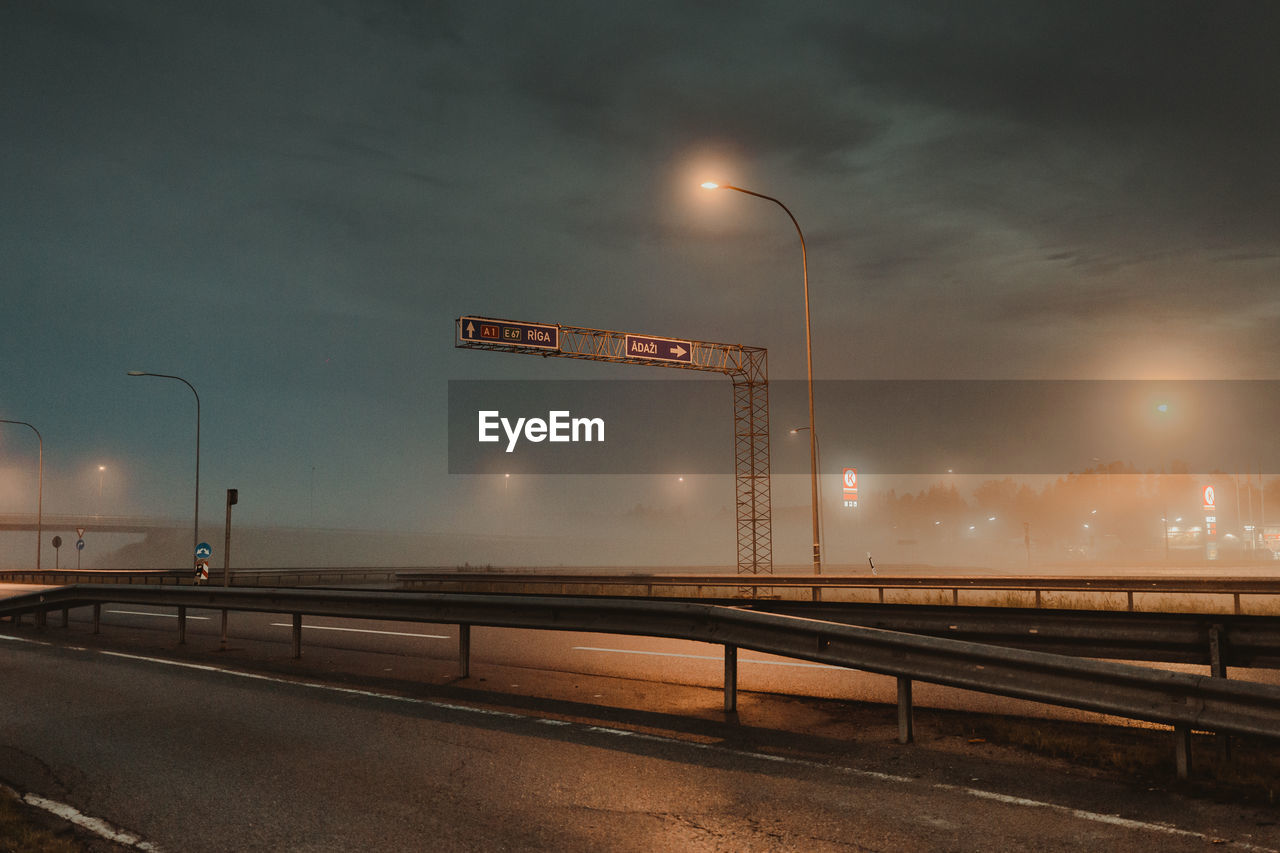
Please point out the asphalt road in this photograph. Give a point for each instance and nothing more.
(371, 743)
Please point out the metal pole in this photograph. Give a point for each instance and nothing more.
(906, 728)
(730, 678)
(39, 485)
(195, 535)
(808, 352)
(464, 651)
(233, 495)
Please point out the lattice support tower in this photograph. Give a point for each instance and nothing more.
(746, 366)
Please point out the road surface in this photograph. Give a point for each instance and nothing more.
(363, 745)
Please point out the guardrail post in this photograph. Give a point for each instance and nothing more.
(64, 616)
(730, 678)
(1237, 598)
(906, 731)
(1217, 663)
(1218, 669)
(1130, 594)
(1037, 599)
(297, 636)
(97, 618)
(182, 625)
(41, 618)
(464, 651)
(1182, 747)
(955, 596)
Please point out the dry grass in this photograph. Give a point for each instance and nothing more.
(21, 831)
(1251, 773)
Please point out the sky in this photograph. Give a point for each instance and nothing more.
(289, 204)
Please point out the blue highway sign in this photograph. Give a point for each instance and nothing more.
(203, 551)
(659, 349)
(486, 331)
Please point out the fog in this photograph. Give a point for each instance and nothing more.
(1105, 516)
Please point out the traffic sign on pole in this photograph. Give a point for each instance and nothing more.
(659, 349)
(510, 332)
(849, 480)
(204, 551)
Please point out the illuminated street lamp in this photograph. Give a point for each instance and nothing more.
(808, 351)
(195, 539)
(39, 485)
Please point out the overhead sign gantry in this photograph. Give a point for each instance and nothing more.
(746, 366)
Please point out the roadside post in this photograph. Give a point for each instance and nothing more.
(233, 497)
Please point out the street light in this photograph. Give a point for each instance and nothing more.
(808, 352)
(195, 536)
(39, 485)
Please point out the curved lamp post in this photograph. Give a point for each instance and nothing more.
(808, 352)
(195, 534)
(39, 485)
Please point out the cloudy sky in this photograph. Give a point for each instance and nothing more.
(288, 204)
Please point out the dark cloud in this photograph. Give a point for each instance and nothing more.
(291, 202)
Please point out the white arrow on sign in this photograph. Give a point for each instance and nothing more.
(678, 351)
(471, 329)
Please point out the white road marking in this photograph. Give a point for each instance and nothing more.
(1080, 814)
(97, 826)
(161, 615)
(705, 657)
(363, 631)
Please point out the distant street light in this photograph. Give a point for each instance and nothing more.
(195, 536)
(39, 485)
(808, 351)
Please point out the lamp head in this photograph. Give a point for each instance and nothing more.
(710, 185)
(137, 373)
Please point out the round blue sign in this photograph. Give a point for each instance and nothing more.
(203, 551)
(79, 544)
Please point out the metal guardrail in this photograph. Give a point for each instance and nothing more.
(1183, 700)
(239, 577)
(60, 577)
(1212, 639)
(723, 586)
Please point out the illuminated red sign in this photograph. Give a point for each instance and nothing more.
(850, 483)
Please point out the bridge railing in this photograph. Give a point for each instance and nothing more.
(1184, 701)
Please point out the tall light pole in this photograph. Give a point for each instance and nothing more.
(39, 485)
(195, 533)
(808, 352)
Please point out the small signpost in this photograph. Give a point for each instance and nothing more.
(57, 551)
(203, 552)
